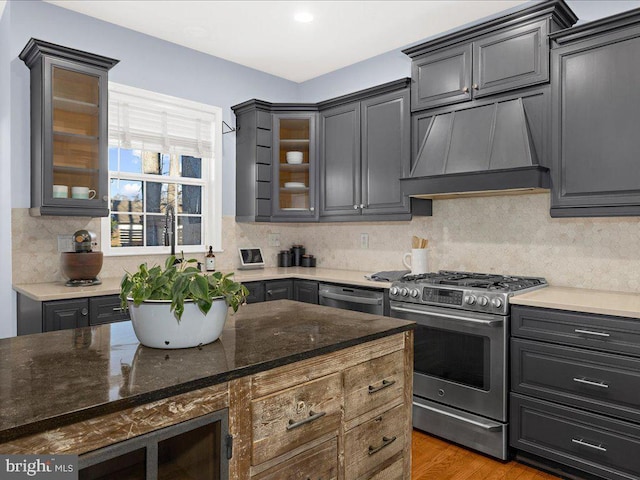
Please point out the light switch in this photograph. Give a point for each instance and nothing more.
(364, 240)
(274, 239)
(65, 243)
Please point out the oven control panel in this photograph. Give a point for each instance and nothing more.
(439, 295)
(465, 299)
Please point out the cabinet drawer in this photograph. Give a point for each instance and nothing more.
(593, 443)
(606, 383)
(373, 384)
(288, 419)
(601, 332)
(368, 445)
(106, 310)
(320, 462)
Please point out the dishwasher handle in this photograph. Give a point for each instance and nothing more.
(351, 298)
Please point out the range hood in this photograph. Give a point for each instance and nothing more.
(481, 150)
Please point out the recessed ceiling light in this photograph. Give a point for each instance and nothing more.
(303, 17)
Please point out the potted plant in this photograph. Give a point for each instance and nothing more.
(179, 306)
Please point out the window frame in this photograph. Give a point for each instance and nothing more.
(212, 185)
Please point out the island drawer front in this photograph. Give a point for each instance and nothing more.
(593, 443)
(371, 443)
(603, 382)
(320, 462)
(372, 384)
(295, 416)
(600, 332)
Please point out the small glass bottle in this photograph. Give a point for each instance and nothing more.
(210, 261)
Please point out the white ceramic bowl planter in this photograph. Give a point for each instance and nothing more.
(157, 326)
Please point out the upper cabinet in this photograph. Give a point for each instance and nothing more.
(508, 53)
(294, 167)
(365, 150)
(69, 91)
(595, 141)
(337, 160)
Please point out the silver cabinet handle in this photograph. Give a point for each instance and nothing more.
(580, 441)
(362, 205)
(269, 292)
(382, 386)
(589, 332)
(474, 86)
(312, 416)
(386, 441)
(117, 309)
(84, 312)
(355, 207)
(312, 209)
(465, 90)
(590, 382)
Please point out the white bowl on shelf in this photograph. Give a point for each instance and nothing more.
(294, 185)
(294, 158)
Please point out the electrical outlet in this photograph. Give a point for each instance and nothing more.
(65, 243)
(364, 240)
(274, 239)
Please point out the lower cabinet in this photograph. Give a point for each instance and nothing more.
(192, 450)
(574, 391)
(299, 290)
(46, 316)
(357, 416)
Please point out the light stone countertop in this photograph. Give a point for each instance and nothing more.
(110, 286)
(582, 300)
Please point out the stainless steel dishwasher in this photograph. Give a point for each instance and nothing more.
(348, 298)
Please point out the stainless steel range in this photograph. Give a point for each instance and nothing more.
(460, 380)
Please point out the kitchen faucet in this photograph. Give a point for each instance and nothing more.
(168, 231)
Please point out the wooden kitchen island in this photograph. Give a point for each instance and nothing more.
(295, 391)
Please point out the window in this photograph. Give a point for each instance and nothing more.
(164, 154)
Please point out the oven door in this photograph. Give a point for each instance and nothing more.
(460, 358)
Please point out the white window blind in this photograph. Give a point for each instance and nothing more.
(138, 120)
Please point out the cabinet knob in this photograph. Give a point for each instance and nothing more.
(84, 312)
(475, 86)
(362, 205)
(269, 292)
(355, 207)
(312, 209)
(105, 198)
(465, 90)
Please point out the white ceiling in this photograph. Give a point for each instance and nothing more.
(263, 34)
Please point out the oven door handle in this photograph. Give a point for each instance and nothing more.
(486, 426)
(351, 298)
(488, 323)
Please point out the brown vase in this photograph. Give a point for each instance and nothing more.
(81, 266)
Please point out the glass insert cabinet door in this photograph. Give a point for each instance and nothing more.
(294, 172)
(77, 130)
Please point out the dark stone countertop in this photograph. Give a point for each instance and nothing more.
(52, 379)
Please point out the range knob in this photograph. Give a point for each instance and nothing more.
(470, 299)
(496, 302)
(404, 292)
(394, 290)
(415, 292)
(482, 301)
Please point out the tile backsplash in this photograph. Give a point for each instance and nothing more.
(502, 234)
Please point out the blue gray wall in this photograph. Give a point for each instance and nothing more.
(7, 303)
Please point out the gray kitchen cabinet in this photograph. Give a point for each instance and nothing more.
(278, 290)
(253, 161)
(69, 90)
(256, 292)
(595, 143)
(294, 196)
(45, 316)
(305, 291)
(574, 392)
(364, 185)
(65, 314)
(364, 151)
(511, 58)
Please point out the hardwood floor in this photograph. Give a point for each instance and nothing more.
(435, 459)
